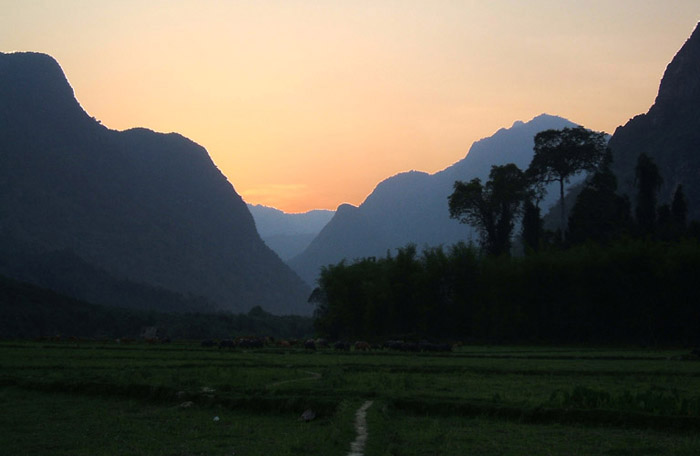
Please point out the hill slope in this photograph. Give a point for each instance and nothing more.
(145, 207)
(669, 132)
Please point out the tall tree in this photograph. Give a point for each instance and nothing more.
(648, 181)
(491, 208)
(562, 154)
(671, 222)
(679, 208)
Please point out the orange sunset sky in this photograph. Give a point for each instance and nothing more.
(308, 104)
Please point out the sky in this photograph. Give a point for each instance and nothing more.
(307, 104)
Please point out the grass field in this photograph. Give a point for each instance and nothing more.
(68, 398)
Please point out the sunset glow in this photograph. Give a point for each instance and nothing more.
(309, 104)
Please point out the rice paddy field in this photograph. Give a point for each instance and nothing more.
(104, 398)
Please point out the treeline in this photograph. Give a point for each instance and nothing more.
(614, 271)
(633, 291)
(67, 273)
(28, 311)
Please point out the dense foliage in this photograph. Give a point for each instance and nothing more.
(633, 291)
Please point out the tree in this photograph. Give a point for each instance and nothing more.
(599, 213)
(491, 208)
(671, 222)
(664, 221)
(562, 154)
(648, 181)
(532, 229)
(679, 208)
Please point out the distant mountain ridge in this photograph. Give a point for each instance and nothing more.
(412, 207)
(288, 234)
(145, 207)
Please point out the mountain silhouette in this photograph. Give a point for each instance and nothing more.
(143, 207)
(669, 132)
(288, 234)
(412, 207)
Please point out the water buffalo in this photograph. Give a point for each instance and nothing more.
(393, 344)
(342, 345)
(227, 343)
(250, 342)
(431, 347)
(362, 346)
(321, 343)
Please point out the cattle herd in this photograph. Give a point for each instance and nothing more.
(255, 342)
(318, 344)
(119, 340)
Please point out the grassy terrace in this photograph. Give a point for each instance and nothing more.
(72, 398)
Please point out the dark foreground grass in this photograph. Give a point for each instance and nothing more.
(42, 423)
(403, 434)
(106, 399)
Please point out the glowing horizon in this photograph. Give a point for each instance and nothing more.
(307, 105)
